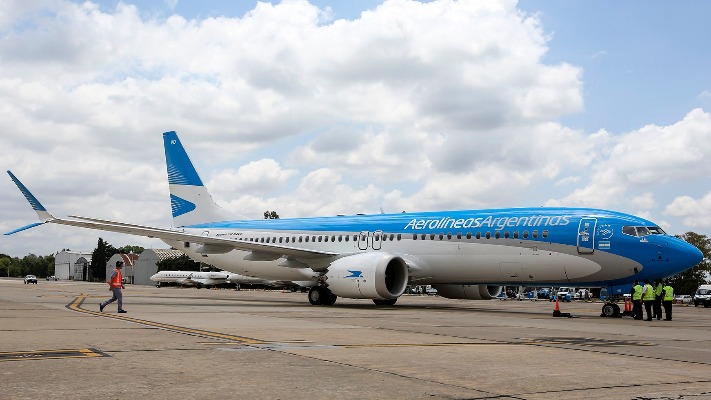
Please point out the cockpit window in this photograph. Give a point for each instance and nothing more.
(642, 230)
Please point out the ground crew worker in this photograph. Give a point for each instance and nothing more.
(648, 299)
(658, 294)
(667, 302)
(115, 282)
(636, 300)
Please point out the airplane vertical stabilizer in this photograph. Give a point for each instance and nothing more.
(190, 201)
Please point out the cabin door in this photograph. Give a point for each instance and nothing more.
(586, 235)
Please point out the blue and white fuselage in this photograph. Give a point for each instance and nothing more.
(466, 254)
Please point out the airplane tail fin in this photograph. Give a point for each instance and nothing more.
(190, 201)
(42, 213)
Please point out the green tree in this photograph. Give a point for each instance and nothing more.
(99, 257)
(687, 281)
(5, 262)
(130, 249)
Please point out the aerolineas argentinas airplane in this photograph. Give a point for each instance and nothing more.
(466, 254)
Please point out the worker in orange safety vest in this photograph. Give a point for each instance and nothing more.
(115, 282)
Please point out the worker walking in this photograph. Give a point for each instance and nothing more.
(667, 302)
(658, 294)
(648, 298)
(115, 282)
(636, 300)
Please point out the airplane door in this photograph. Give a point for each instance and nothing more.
(377, 240)
(586, 235)
(363, 239)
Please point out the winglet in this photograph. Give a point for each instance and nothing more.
(42, 212)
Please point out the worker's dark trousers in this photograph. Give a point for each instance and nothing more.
(648, 308)
(657, 308)
(667, 310)
(637, 309)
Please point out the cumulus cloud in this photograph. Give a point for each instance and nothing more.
(410, 106)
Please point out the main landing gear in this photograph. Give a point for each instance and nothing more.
(321, 296)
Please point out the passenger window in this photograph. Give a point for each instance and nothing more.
(347, 238)
(545, 233)
(301, 239)
(515, 234)
(281, 239)
(535, 234)
(399, 236)
(459, 235)
(441, 236)
(525, 234)
(423, 236)
(506, 234)
(307, 239)
(478, 235)
(414, 236)
(469, 235)
(432, 235)
(488, 235)
(333, 238)
(497, 234)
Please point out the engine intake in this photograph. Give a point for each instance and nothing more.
(380, 276)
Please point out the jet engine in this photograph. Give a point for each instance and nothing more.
(469, 292)
(378, 276)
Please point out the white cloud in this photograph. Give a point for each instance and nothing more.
(411, 106)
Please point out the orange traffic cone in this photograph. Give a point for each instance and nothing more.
(556, 311)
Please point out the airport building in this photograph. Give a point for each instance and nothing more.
(72, 265)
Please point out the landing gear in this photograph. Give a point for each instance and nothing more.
(610, 310)
(388, 302)
(320, 296)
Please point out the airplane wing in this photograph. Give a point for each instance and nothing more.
(258, 249)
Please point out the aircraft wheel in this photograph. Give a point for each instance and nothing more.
(316, 296)
(389, 302)
(610, 310)
(330, 299)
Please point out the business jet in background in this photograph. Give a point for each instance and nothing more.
(466, 254)
(190, 278)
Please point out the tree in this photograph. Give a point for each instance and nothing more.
(99, 257)
(130, 249)
(271, 215)
(687, 281)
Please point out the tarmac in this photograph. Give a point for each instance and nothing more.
(177, 343)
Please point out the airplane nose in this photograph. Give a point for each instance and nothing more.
(687, 255)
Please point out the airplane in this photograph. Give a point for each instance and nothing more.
(190, 278)
(464, 254)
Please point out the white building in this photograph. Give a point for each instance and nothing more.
(65, 263)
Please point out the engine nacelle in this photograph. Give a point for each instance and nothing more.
(380, 276)
(469, 292)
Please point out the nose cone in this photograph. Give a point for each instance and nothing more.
(685, 256)
(154, 277)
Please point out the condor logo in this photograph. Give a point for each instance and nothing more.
(354, 274)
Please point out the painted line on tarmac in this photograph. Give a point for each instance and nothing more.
(50, 354)
(76, 304)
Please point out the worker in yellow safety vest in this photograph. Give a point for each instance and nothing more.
(636, 300)
(658, 294)
(648, 299)
(667, 302)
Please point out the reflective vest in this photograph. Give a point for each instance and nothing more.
(668, 293)
(658, 290)
(117, 280)
(649, 294)
(637, 295)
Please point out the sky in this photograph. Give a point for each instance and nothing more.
(328, 107)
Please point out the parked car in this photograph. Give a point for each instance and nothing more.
(30, 279)
(565, 293)
(703, 296)
(544, 293)
(683, 299)
(51, 278)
